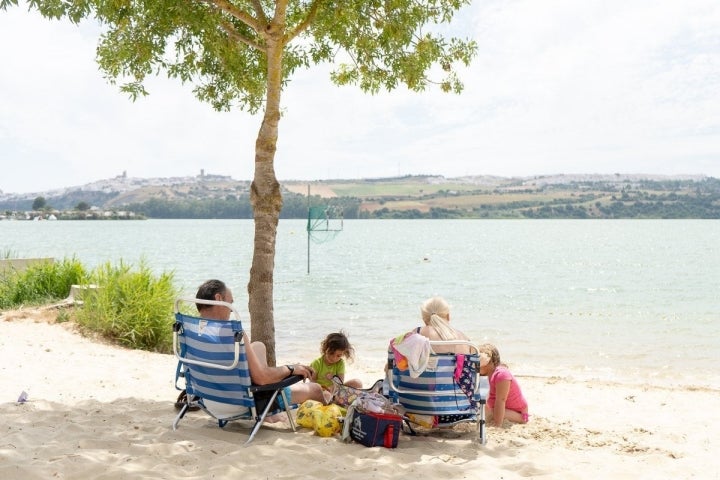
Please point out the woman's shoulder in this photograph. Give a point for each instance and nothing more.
(428, 331)
(424, 330)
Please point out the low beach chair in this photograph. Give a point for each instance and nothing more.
(212, 360)
(437, 398)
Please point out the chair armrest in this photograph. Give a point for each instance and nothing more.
(277, 385)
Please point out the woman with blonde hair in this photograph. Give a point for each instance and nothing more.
(436, 316)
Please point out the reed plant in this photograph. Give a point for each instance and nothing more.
(132, 306)
(40, 283)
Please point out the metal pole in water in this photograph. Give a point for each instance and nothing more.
(308, 231)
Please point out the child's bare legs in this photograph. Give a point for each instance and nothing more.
(509, 415)
(516, 417)
(355, 383)
(302, 391)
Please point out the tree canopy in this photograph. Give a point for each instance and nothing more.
(39, 203)
(241, 54)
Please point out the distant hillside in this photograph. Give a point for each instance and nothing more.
(412, 196)
(120, 191)
(557, 196)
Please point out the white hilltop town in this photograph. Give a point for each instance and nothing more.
(119, 184)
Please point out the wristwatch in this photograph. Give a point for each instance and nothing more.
(291, 368)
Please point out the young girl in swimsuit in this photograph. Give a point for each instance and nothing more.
(505, 400)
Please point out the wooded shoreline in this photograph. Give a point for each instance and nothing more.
(409, 197)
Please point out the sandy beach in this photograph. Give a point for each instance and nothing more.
(99, 411)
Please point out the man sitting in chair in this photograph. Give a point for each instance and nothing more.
(260, 372)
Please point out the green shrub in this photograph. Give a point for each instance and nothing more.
(131, 306)
(40, 283)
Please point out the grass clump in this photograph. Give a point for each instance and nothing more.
(131, 306)
(40, 283)
(7, 254)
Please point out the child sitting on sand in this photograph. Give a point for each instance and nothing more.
(505, 400)
(335, 349)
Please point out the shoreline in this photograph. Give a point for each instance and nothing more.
(102, 411)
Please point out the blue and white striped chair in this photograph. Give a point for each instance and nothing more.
(437, 393)
(212, 360)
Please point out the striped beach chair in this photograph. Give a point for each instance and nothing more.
(449, 391)
(212, 361)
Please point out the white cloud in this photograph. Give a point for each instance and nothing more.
(558, 86)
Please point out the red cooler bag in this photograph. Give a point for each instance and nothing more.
(376, 429)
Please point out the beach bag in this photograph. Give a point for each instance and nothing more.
(375, 429)
(306, 413)
(345, 396)
(324, 419)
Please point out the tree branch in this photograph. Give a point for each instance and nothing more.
(276, 26)
(230, 9)
(232, 33)
(244, 17)
(301, 27)
(259, 11)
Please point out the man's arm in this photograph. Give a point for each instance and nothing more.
(261, 373)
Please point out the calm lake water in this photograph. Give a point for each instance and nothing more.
(623, 300)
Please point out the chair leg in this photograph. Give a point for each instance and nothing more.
(407, 423)
(180, 415)
(261, 418)
(481, 425)
(286, 402)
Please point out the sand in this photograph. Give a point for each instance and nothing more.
(104, 412)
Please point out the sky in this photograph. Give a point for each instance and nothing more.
(558, 86)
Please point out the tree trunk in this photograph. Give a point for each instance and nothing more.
(266, 202)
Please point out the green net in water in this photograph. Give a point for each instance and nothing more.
(324, 223)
